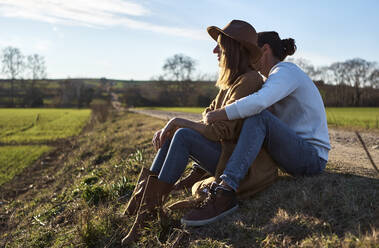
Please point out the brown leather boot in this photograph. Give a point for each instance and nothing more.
(189, 202)
(196, 174)
(135, 199)
(154, 195)
(192, 201)
(220, 202)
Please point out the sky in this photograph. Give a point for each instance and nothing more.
(130, 39)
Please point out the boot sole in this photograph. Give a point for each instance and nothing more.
(207, 221)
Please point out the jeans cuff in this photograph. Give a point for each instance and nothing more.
(323, 163)
(229, 182)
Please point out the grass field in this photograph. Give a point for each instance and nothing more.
(353, 117)
(39, 125)
(81, 204)
(13, 159)
(367, 118)
(30, 126)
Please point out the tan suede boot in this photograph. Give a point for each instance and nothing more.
(135, 199)
(154, 195)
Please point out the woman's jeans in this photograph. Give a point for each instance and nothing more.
(292, 153)
(172, 157)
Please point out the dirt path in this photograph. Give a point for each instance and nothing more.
(346, 148)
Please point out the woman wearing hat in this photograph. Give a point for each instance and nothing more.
(286, 117)
(182, 139)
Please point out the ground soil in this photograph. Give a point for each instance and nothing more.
(346, 149)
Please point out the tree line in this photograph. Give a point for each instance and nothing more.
(15, 66)
(27, 86)
(354, 82)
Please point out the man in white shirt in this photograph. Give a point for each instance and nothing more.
(286, 117)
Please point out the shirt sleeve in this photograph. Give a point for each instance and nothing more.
(278, 85)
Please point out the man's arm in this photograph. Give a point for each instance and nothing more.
(278, 86)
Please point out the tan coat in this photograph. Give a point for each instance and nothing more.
(263, 172)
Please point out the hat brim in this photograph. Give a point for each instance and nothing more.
(255, 51)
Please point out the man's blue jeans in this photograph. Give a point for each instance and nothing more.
(292, 153)
(172, 158)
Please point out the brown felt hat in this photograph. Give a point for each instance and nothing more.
(242, 32)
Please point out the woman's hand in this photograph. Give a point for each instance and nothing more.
(168, 130)
(215, 115)
(156, 139)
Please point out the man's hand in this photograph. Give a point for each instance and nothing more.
(215, 115)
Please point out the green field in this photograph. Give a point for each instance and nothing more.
(353, 117)
(13, 159)
(39, 125)
(342, 117)
(23, 128)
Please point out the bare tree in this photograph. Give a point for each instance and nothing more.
(13, 65)
(179, 67)
(313, 72)
(36, 65)
(357, 73)
(374, 78)
(37, 69)
(333, 75)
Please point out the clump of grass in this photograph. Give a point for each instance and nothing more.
(137, 156)
(101, 158)
(91, 180)
(94, 231)
(122, 187)
(49, 213)
(208, 243)
(93, 194)
(42, 239)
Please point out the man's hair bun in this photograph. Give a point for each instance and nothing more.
(289, 46)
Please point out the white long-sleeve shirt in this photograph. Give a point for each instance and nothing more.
(294, 99)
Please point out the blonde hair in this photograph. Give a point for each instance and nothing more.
(234, 61)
